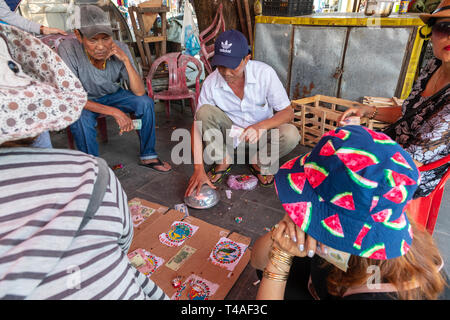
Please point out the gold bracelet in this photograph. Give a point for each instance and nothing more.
(274, 276)
(278, 266)
(280, 259)
(281, 256)
(282, 253)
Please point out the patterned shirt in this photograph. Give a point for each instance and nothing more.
(43, 197)
(424, 128)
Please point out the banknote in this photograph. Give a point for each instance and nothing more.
(177, 260)
(137, 123)
(335, 257)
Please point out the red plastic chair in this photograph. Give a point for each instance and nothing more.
(207, 51)
(425, 210)
(177, 90)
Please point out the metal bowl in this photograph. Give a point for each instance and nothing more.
(207, 198)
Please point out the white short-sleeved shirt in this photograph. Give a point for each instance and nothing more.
(264, 93)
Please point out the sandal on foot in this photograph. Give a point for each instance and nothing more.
(222, 172)
(152, 166)
(256, 172)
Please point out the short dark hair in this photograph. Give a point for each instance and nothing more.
(431, 22)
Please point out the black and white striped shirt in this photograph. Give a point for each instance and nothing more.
(44, 194)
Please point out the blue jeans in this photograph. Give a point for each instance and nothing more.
(85, 134)
(43, 141)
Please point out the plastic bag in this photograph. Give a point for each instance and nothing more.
(189, 33)
(242, 182)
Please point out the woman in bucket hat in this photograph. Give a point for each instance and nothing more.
(348, 194)
(64, 219)
(422, 125)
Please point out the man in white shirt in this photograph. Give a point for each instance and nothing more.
(242, 93)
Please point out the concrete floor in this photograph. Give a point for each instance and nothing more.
(259, 208)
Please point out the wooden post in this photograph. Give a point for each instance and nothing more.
(164, 33)
(249, 22)
(242, 20)
(139, 37)
(303, 124)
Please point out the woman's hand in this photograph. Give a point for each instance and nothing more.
(291, 238)
(288, 237)
(352, 116)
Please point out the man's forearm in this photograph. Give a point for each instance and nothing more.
(136, 83)
(197, 145)
(100, 108)
(284, 116)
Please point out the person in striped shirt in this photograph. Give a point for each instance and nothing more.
(65, 226)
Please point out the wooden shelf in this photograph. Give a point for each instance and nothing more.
(153, 10)
(143, 20)
(154, 39)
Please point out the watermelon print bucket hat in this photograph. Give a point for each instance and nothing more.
(350, 192)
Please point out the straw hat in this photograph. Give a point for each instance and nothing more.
(38, 92)
(442, 11)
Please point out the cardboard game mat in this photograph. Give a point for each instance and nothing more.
(141, 210)
(188, 258)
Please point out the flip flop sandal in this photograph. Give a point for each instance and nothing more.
(152, 166)
(256, 172)
(222, 172)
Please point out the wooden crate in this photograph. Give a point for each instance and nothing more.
(383, 102)
(319, 114)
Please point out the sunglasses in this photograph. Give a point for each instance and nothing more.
(441, 29)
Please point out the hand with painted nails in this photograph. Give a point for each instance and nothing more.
(291, 238)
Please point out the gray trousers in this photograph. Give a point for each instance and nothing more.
(273, 144)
